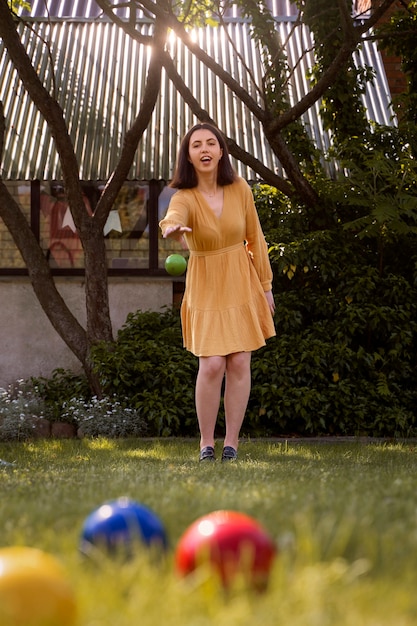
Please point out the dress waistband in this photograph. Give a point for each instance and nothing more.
(219, 251)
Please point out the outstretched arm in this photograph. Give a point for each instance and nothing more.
(177, 232)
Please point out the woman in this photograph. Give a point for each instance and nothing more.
(228, 304)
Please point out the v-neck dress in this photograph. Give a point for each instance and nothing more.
(224, 308)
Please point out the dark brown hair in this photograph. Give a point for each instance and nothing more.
(185, 176)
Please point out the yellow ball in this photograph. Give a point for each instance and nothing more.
(34, 589)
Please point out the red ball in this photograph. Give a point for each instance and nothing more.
(234, 544)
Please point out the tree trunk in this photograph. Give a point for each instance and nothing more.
(51, 301)
(304, 189)
(90, 228)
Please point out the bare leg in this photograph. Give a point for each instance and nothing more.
(207, 396)
(236, 396)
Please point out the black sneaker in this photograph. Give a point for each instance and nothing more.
(207, 454)
(229, 454)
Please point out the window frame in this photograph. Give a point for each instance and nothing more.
(153, 269)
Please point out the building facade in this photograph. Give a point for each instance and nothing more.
(98, 75)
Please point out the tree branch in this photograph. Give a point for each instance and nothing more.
(61, 318)
(49, 108)
(237, 152)
(128, 27)
(172, 22)
(319, 89)
(241, 58)
(140, 124)
(354, 37)
(264, 172)
(346, 20)
(376, 15)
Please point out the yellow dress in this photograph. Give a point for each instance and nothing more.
(224, 309)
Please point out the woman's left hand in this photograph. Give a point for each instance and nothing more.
(270, 299)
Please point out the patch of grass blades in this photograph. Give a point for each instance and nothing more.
(344, 517)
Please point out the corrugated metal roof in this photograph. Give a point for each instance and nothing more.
(100, 74)
(90, 9)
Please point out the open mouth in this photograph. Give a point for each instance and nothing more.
(205, 159)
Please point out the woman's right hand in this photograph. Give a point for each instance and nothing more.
(177, 232)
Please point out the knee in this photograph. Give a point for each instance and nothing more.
(212, 368)
(238, 364)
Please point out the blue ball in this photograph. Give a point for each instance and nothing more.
(120, 526)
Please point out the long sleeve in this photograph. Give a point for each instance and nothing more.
(256, 243)
(177, 213)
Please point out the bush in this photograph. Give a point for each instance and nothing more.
(104, 417)
(344, 359)
(150, 369)
(62, 387)
(20, 406)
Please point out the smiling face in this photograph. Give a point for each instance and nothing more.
(204, 151)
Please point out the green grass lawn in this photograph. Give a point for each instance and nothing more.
(344, 516)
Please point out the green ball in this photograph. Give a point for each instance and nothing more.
(175, 264)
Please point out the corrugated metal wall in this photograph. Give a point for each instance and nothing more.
(100, 73)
